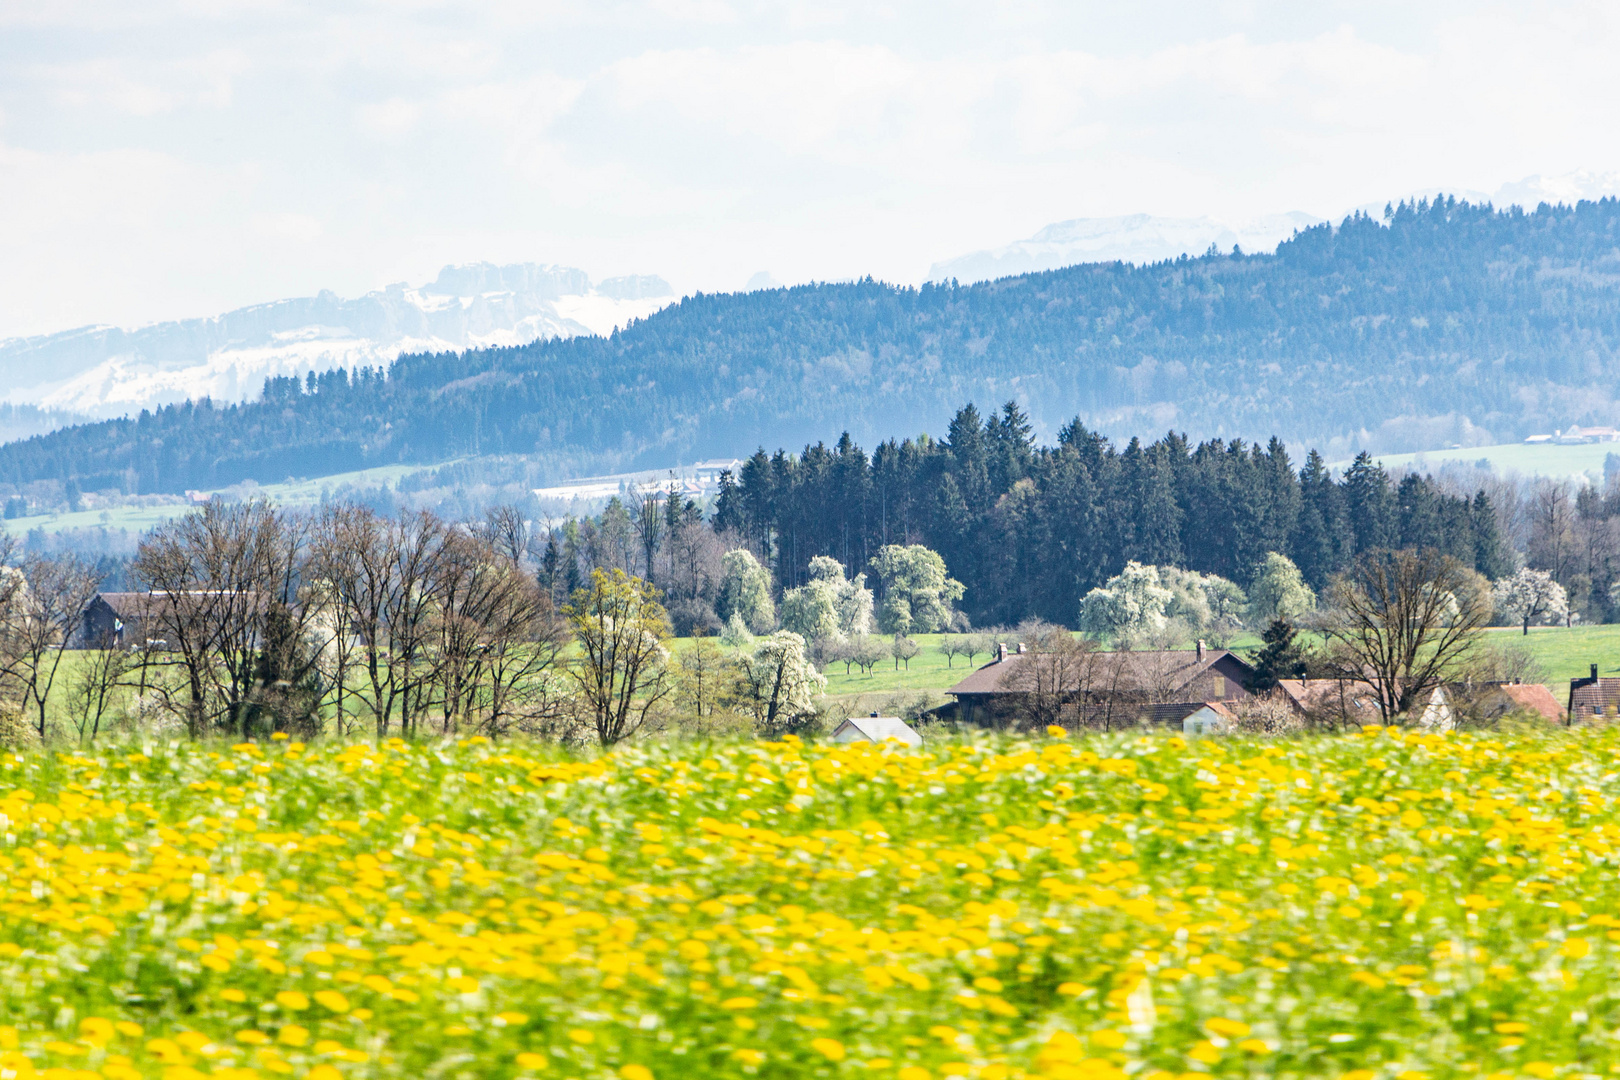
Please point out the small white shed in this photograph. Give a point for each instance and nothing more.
(875, 729)
(1210, 717)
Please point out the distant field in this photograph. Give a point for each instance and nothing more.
(1514, 457)
(141, 518)
(1565, 654)
(134, 518)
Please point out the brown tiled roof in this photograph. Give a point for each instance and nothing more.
(1536, 698)
(127, 605)
(1142, 669)
(1589, 697)
(1310, 695)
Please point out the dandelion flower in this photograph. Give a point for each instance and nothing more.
(831, 1049)
(332, 1000)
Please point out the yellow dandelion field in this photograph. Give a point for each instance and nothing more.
(1388, 905)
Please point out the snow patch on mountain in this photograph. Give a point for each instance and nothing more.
(1144, 238)
(103, 371)
(1133, 238)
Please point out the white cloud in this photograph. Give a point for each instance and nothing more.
(181, 156)
(390, 119)
(699, 11)
(302, 228)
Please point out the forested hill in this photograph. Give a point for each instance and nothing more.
(1443, 315)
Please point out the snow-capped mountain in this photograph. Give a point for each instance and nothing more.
(1135, 238)
(1143, 238)
(103, 371)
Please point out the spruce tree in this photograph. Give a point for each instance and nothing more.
(1321, 533)
(1491, 554)
(1370, 505)
(1281, 657)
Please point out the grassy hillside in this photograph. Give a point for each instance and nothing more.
(1539, 460)
(292, 493)
(1566, 654)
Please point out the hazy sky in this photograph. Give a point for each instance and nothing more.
(163, 158)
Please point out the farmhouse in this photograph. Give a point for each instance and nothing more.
(1499, 699)
(117, 620)
(134, 620)
(1108, 689)
(1342, 701)
(1593, 697)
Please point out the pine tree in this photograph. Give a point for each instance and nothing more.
(1011, 447)
(1370, 505)
(1321, 534)
(1491, 554)
(1281, 657)
(728, 513)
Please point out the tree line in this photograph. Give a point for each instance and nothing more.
(249, 620)
(1030, 530)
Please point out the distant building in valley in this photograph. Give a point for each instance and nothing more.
(1160, 688)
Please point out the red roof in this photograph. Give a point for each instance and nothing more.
(1536, 698)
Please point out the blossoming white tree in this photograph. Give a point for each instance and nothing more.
(1530, 596)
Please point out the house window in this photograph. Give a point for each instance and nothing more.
(1219, 687)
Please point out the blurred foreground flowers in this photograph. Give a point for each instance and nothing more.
(1389, 905)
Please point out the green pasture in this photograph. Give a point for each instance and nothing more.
(1524, 458)
(1566, 653)
(140, 518)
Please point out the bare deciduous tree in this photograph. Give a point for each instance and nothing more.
(647, 514)
(1056, 679)
(621, 628)
(506, 532)
(40, 615)
(1403, 622)
(496, 653)
(221, 582)
(103, 672)
(378, 574)
(1553, 544)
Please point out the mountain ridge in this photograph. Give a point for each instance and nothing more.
(1445, 323)
(106, 371)
(1149, 238)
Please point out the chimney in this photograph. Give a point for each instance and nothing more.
(1594, 673)
(1200, 648)
(1001, 653)
(1020, 648)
